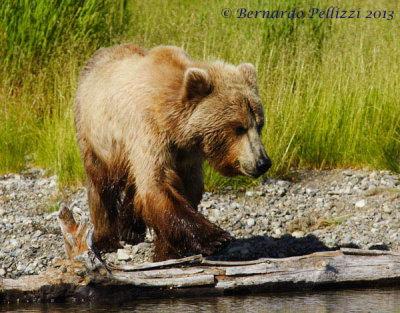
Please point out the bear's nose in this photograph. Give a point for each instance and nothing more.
(262, 165)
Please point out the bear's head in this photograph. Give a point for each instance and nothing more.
(227, 117)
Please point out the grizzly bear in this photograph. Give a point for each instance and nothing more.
(145, 122)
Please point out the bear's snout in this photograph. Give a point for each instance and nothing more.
(253, 160)
(263, 164)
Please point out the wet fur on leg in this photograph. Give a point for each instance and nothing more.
(110, 198)
(180, 229)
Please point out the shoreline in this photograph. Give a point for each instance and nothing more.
(318, 211)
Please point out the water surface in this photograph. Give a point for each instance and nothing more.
(366, 300)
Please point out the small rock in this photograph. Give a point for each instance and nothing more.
(301, 207)
(281, 192)
(311, 192)
(135, 250)
(15, 243)
(345, 191)
(298, 234)
(37, 234)
(235, 205)
(80, 272)
(289, 217)
(123, 255)
(216, 213)
(212, 219)
(387, 209)
(206, 204)
(2, 272)
(361, 203)
(283, 183)
(251, 222)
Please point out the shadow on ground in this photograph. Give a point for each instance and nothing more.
(269, 247)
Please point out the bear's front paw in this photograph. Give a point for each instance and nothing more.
(215, 242)
(207, 240)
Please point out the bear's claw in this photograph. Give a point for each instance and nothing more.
(131, 237)
(217, 245)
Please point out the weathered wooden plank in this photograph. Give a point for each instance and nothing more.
(22, 284)
(367, 252)
(234, 263)
(272, 265)
(336, 269)
(149, 265)
(187, 281)
(63, 272)
(249, 269)
(166, 273)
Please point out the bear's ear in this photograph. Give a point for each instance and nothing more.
(196, 84)
(249, 73)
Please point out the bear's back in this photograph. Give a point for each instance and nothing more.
(107, 56)
(121, 91)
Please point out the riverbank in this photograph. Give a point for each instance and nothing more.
(315, 211)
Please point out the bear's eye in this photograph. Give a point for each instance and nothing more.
(240, 130)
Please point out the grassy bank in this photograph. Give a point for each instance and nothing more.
(329, 87)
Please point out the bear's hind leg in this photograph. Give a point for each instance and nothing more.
(103, 200)
(104, 218)
(132, 228)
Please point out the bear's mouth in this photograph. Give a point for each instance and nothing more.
(249, 173)
(261, 166)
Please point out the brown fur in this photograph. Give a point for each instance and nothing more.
(145, 123)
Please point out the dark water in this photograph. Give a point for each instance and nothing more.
(366, 300)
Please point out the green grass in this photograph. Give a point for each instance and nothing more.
(330, 88)
(32, 31)
(44, 44)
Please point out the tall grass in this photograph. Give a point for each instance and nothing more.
(330, 88)
(31, 31)
(43, 45)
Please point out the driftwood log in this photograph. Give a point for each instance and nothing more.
(86, 278)
(71, 280)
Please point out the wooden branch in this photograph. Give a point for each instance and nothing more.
(76, 236)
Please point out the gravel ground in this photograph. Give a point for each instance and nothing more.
(315, 211)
